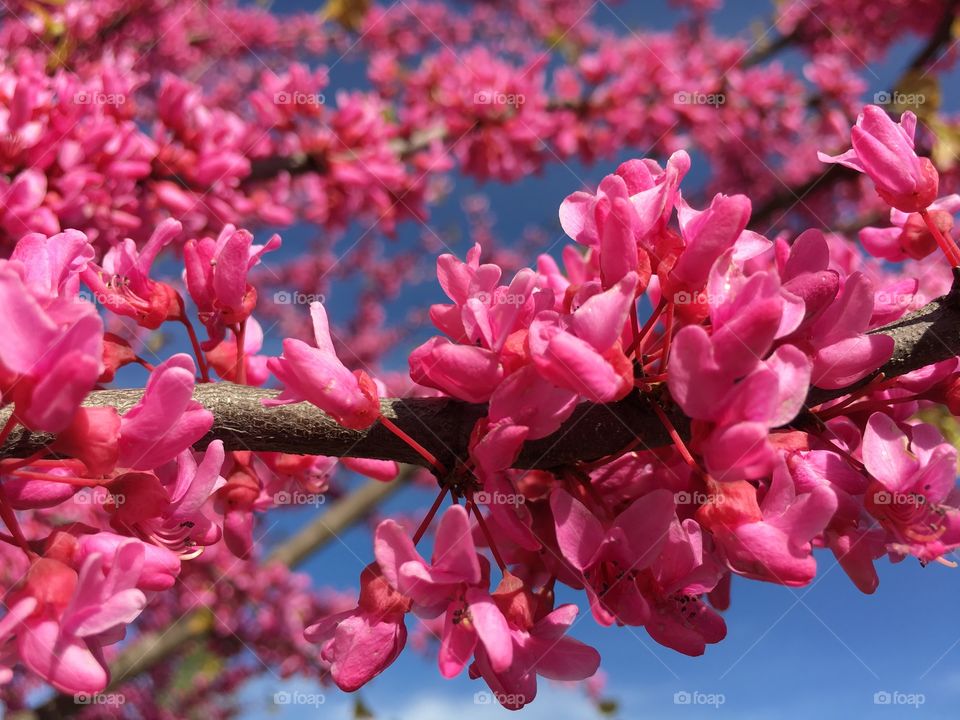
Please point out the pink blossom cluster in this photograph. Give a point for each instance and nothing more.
(743, 328)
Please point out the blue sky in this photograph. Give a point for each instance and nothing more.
(824, 650)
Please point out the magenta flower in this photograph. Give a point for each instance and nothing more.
(167, 420)
(166, 508)
(52, 351)
(51, 266)
(75, 614)
(610, 560)
(909, 235)
(123, 283)
(772, 541)
(361, 643)
(674, 585)
(583, 351)
(707, 234)
(216, 277)
(455, 583)
(316, 375)
(884, 150)
(539, 648)
(914, 476)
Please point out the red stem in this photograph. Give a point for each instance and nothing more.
(241, 363)
(424, 453)
(428, 518)
(647, 327)
(946, 243)
(486, 532)
(201, 359)
(675, 436)
(10, 520)
(878, 404)
(667, 334)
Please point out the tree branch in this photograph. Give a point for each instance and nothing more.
(443, 425)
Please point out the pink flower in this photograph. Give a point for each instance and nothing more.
(455, 583)
(611, 559)
(51, 354)
(914, 476)
(770, 541)
(707, 234)
(166, 508)
(582, 351)
(674, 584)
(51, 266)
(124, 285)
(223, 357)
(75, 613)
(167, 420)
(216, 276)
(160, 569)
(317, 376)
(539, 648)
(910, 236)
(361, 643)
(885, 151)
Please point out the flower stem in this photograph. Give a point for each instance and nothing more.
(647, 327)
(428, 518)
(946, 243)
(486, 532)
(675, 436)
(10, 520)
(424, 453)
(241, 362)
